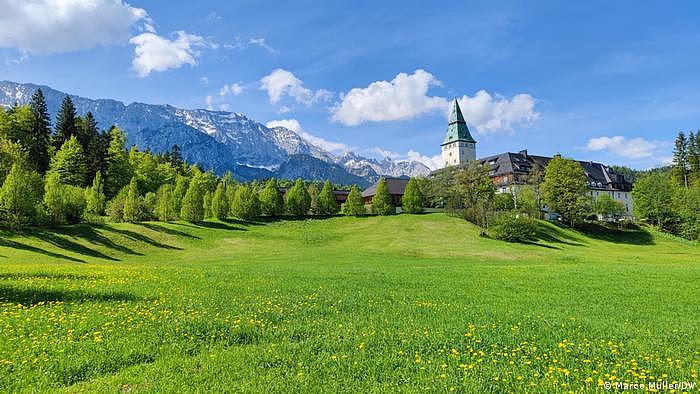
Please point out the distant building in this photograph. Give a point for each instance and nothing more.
(396, 186)
(510, 170)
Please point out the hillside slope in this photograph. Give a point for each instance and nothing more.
(402, 303)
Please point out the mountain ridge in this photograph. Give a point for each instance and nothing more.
(219, 140)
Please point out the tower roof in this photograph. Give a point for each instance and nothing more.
(457, 129)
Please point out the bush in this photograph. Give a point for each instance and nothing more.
(509, 227)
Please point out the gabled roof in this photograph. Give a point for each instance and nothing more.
(395, 186)
(457, 129)
(599, 175)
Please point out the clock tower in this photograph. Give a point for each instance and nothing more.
(459, 147)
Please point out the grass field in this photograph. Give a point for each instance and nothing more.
(403, 303)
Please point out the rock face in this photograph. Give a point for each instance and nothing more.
(221, 140)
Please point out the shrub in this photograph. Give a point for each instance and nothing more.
(412, 200)
(354, 206)
(382, 203)
(509, 227)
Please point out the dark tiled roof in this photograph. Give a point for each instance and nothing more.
(395, 186)
(599, 175)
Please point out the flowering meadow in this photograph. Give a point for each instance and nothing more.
(376, 304)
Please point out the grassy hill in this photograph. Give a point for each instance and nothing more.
(371, 304)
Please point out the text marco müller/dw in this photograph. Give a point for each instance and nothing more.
(660, 385)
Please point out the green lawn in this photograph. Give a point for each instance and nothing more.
(403, 303)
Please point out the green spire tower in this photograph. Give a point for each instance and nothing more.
(459, 145)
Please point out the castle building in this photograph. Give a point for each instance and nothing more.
(459, 147)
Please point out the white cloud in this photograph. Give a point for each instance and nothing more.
(634, 148)
(406, 96)
(295, 126)
(493, 114)
(156, 53)
(234, 89)
(432, 162)
(281, 82)
(403, 97)
(261, 43)
(55, 26)
(204, 80)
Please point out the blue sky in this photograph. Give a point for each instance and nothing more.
(605, 81)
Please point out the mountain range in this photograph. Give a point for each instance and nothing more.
(221, 140)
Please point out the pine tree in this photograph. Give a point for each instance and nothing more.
(219, 202)
(680, 160)
(66, 123)
(298, 200)
(327, 204)
(193, 203)
(412, 200)
(69, 163)
(354, 206)
(95, 198)
(20, 196)
(163, 209)
(41, 132)
(271, 202)
(118, 171)
(89, 138)
(382, 203)
(132, 204)
(694, 156)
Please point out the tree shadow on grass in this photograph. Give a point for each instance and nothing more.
(552, 234)
(604, 233)
(540, 245)
(215, 225)
(142, 238)
(66, 244)
(33, 296)
(18, 245)
(171, 231)
(89, 233)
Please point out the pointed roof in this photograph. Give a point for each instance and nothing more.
(457, 129)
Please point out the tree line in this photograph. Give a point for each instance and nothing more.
(75, 172)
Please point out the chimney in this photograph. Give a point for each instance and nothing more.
(523, 152)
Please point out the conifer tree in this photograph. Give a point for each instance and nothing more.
(219, 202)
(95, 198)
(680, 160)
(412, 200)
(41, 132)
(694, 156)
(132, 204)
(89, 138)
(118, 171)
(382, 203)
(298, 200)
(354, 206)
(66, 123)
(69, 163)
(327, 204)
(19, 196)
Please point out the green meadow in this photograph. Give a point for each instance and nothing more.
(375, 304)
